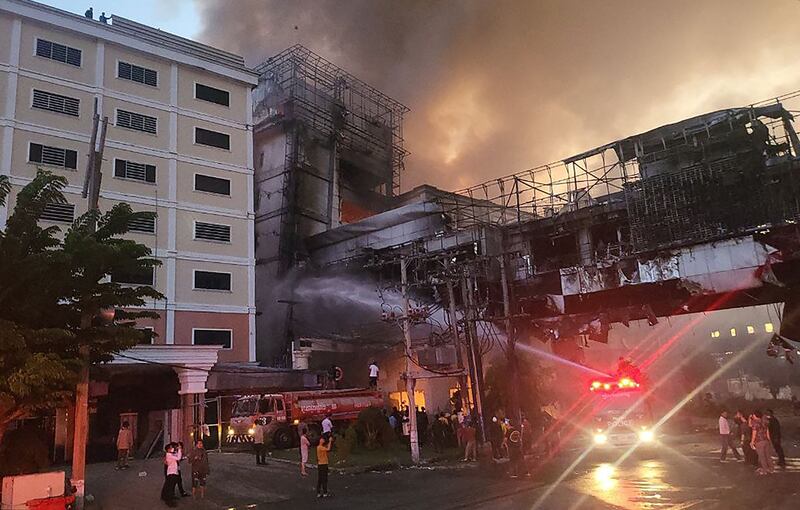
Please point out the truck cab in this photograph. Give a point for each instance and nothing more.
(622, 415)
(269, 410)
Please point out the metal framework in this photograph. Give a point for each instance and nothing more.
(594, 181)
(332, 102)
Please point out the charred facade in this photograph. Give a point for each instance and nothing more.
(328, 151)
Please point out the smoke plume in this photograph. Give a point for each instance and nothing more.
(500, 86)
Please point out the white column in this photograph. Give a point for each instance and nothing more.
(193, 380)
(251, 233)
(99, 76)
(172, 196)
(10, 109)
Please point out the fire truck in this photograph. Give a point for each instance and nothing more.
(622, 416)
(284, 413)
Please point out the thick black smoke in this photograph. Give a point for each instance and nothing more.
(500, 86)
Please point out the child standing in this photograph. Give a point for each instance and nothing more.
(304, 444)
(199, 461)
(325, 445)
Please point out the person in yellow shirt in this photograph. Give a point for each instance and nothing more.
(324, 447)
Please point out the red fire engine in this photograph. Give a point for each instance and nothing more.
(283, 413)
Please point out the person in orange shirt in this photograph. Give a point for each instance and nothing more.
(325, 445)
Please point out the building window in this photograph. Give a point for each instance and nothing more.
(751, 330)
(143, 277)
(211, 280)
(138, 74)
(212, 95)
(125, 169)
(61, 213)
(715, 334)
(43, 100)
(148, 334)
(137, 121)
(212, 138)
(52, 156)
(212, 232)
(211, 184)
(58, 52)
(143, 225)
(768, 327)
(733, 331)
(223, 337)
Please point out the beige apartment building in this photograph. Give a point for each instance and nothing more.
(179, 143)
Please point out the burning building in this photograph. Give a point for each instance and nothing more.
(328, 151)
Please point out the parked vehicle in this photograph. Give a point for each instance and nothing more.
(284, 413)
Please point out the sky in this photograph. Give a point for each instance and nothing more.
(179, 17)
(500, 86)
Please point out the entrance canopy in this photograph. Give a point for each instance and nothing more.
(192, 363)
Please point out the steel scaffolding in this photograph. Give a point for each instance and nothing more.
(610, 176)
(333, 102)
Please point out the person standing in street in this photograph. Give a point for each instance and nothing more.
(179, 482)
(469, 435)
(171, 459)
(124, 445)
(516, 456)
(373, 375)
(304, 444)
(200, 469)
(496, 438)
(725, 437)
(259, 440)
(760, 442)
(324, 447)
(327, 426)
(774, 428)
(743, 434)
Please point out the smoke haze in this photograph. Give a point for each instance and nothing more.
(500, 86)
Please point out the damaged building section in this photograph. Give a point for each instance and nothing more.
(696, 215)
(328, 151)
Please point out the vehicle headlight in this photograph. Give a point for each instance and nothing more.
(646, 436)
(230, 431)
(251, 431)
(600, 438)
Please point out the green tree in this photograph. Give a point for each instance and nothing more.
(532, 388)
(49, 285)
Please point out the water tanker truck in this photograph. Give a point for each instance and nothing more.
(284, 413)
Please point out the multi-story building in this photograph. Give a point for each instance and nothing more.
(179, 143)
(328, 152)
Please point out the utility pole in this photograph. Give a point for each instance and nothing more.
(451, 297)
(91, 191)
(410, 381)
(473, 352)
(511, 346)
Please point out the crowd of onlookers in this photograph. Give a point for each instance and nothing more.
(460, 429)
(759, 436)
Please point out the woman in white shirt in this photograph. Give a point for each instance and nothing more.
(171, 459)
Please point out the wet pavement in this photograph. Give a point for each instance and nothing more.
(684, 477)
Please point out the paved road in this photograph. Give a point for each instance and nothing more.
(687, 477)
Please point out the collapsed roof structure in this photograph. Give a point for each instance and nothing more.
(690, 208)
